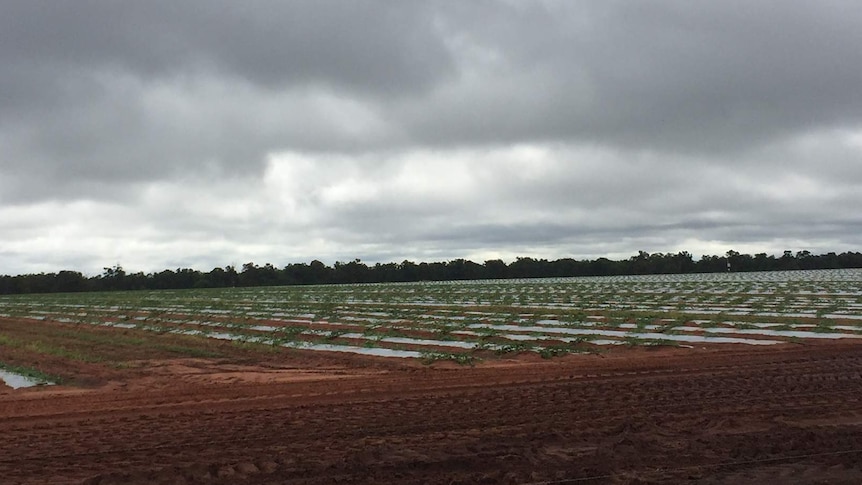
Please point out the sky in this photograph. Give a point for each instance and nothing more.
(206, 133)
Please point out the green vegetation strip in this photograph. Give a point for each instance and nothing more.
(40, 347)
(100, 353)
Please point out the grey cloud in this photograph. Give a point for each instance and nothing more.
(132, 132)
(371, 46)
(664, 75)
(426, 129)
(79, 81)
(652, 200)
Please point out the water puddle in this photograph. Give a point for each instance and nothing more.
(17, 381)
(636, 335)
(783, 333)
(603, 342)
(437, 343)
(376, 351)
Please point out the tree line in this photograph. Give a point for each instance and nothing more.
(314, 273)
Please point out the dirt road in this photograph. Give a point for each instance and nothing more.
(790, 414)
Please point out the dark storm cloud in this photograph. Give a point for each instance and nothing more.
(372, 46)
(671, 76)
(693, 76)
(143, 91)
(665, 74)
(198, 131)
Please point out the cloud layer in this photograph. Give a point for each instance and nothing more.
(202, 133)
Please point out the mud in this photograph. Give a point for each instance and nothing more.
(734, 414)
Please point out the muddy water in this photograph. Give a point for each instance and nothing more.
(17, 381)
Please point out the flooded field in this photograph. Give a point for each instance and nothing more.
(451, 320)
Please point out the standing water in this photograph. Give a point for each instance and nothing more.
(17, 381)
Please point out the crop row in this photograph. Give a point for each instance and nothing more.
(460, 319)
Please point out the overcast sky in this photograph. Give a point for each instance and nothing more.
(166, 134)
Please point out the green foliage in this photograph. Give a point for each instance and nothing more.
(557, 351)
(429, 358)
(514, 348)
(40, 347)
(316, 273)
(334, 335)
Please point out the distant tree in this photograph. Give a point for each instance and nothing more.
(788, 261)
(320, 273)
(462, 269)
(381, 273)
(250, 275)
(496, 269)
(70, 281)
(114, 278)
(353, 272)
(525, 268)
(408, 271)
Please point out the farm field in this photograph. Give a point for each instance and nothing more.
(465, 321)
(723, 378)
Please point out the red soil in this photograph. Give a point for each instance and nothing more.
(788, 414)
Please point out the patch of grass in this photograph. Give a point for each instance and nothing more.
(109, 342)
(40, 347)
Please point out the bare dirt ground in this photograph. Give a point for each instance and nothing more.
(720, 415)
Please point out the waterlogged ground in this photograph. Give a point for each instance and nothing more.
(467, 320)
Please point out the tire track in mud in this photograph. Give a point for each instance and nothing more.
(688, 418)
